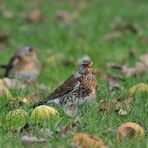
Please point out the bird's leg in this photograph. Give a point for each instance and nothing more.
(71, 109)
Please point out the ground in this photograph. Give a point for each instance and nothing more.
(75, 29)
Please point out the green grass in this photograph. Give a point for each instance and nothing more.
(83, 35)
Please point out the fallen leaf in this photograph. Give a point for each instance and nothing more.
(123, 106)
(105, 106)
(129, 130)
(120, 106)
(66, 129)
(39, 132)
(113, 82)
(67, 17)
(143, 38)
(63, 16)
(86, 141)
(122, 112)
(4, 40)
(128, 72)
(122, 26)
(133, 27)
(113, 36)
(31, 139)
(140, 67)
(114, 66)
(33, 16)
(144, 59)
(13, 83)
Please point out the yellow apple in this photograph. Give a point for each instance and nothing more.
(139, 88)
(43, 112)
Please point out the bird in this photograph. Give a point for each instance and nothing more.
(80, 88)
(23, 65)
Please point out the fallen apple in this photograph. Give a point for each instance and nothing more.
(86, 141)
(129, 129)
(43, 112)
(16, 118)
(139, 88)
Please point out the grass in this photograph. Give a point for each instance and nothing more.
(83, 35)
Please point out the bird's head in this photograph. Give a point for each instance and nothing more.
(86, 67)
(25, 51)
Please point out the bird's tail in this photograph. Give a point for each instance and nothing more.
(47, 101)
(3, 66)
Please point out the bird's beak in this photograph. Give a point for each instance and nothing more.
(90, 65)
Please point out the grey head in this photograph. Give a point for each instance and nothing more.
(25, 50)
(86, 67)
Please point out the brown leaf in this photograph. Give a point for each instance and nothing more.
(13, 83)
(33, 16)
(114, 66)
(105, 106)
(113, 36)
(129, 130)
(120, 106)
(39, 132)
(128, 72)
(113, 82)
(123, 106)
(86, 141)
(67, 17)
(134, 28)
(143, 38)
(4, 40)
(66, 129)
(144, 60)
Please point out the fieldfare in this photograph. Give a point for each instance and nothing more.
(24, 65)
(79, 88)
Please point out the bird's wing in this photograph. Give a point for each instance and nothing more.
(66, 87)
(13, 61)
(69, 85)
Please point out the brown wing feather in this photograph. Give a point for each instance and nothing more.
(11, 63)
(66, 87)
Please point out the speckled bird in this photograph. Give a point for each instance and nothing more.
(79, 88)
(24, 65)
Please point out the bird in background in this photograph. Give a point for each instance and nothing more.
(79, 88)
(24, 65)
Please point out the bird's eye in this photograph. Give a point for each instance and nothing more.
(30, 49)
(84, 65)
